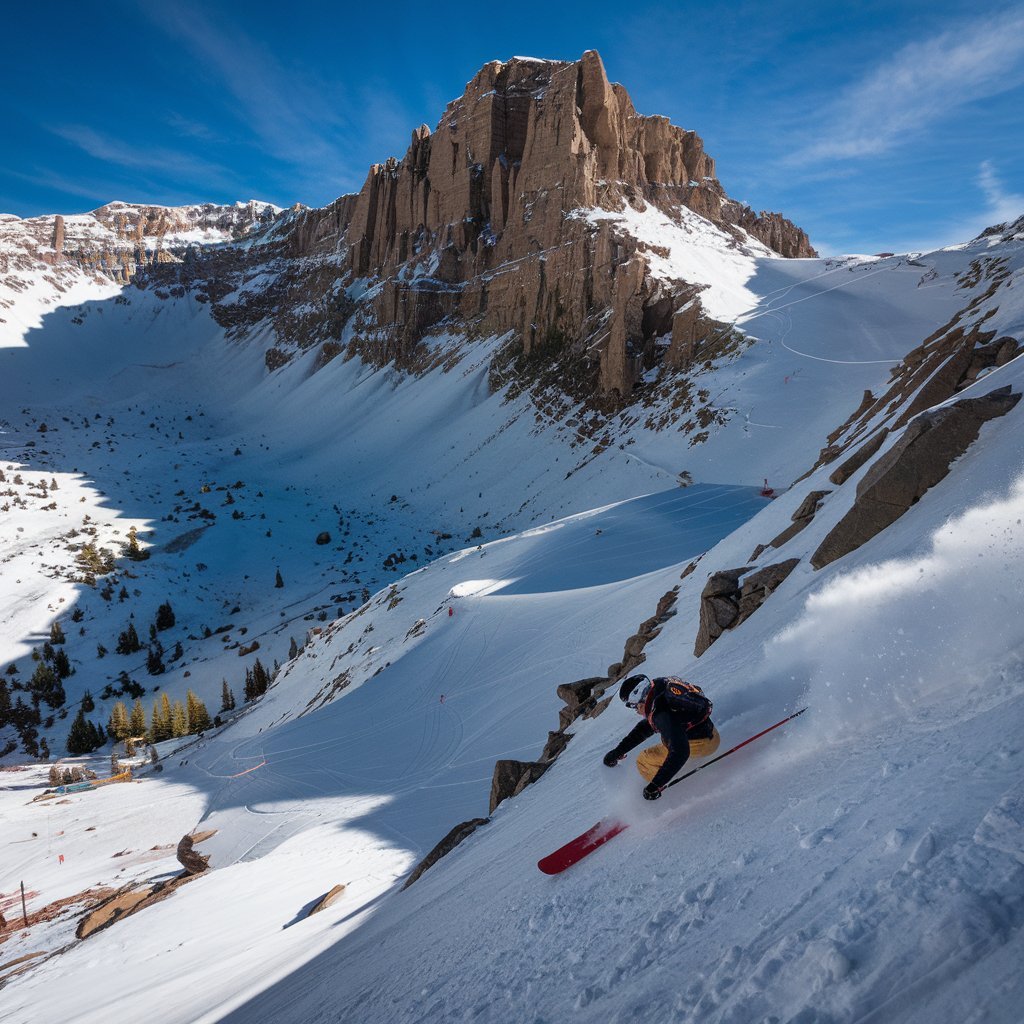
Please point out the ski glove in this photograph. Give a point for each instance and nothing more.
(611, 759)
(651, 792)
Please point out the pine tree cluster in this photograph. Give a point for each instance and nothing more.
(172, 720)
(257, 681)
(128, 641)
(155, 659)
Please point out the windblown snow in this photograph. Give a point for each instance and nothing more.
(864, 862)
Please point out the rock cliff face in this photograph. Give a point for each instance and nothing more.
(488, 226)
(478, 229)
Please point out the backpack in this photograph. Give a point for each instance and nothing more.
(684, 699)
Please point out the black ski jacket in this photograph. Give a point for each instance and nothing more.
(674, 734)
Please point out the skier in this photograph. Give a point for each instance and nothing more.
(677, 710)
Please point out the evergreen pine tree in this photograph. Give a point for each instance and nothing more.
(165, 616)
(293, 649)
(88, 704)
(61, 665)
(179, 720)
(5, 703)
(227, 698)
(118, 727)
(155, 724)
(46, 686)
(137, 722)
(260, 679)
(198, 716)
(56, 633)
(128, 641)
(80, 739)
(250, 689)
(132, 549)
(278, 581)
(155, 659)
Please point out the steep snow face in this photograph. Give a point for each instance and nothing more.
(864, 860)
(686, 247)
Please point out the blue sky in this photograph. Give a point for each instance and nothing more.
(874, 125)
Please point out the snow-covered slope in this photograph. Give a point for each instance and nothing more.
(863, 863)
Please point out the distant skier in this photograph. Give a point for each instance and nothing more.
(677, 710)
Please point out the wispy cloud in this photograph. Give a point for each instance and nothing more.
(167, 162)
(189, 129)
(310, 125)
(95, 192)
(1002, 205)
(994, 204)
(918, 86)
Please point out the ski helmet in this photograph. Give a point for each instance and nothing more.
(634, 690)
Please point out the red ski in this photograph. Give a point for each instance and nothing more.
(608, 828)
(578, 848)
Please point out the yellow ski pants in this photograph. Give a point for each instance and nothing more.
(650, 760)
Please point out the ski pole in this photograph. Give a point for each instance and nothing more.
(733, 750)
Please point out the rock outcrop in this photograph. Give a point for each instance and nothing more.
(193, 863)
(512, 777)
(915, 463)
(947, 362)
(119, 240)
(451, 840)
(327, 900)
(726, 602)
(719, 606)
(801, 518)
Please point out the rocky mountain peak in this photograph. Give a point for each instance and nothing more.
(479, 225)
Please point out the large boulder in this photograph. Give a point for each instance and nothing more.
(760, 585)
(579, 697)
(512, 777)
(731, 596)
(719, 606)
(916, 463)
(557, 742)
